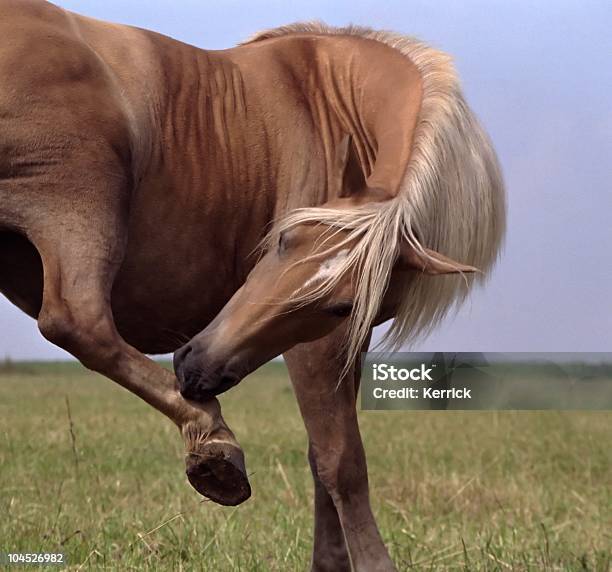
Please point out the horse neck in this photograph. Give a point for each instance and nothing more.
(320, 89)
(260, 125)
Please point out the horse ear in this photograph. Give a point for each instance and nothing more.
(429, 261)
(351, 179)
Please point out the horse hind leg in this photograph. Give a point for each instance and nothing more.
(81, 253)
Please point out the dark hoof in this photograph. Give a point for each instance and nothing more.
(217, 472)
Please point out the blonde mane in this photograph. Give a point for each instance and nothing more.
(452, 198)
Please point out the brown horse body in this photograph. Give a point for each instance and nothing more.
(137, 177)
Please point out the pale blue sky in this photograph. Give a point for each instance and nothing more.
(539, 76)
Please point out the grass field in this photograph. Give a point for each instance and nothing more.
(451, 490)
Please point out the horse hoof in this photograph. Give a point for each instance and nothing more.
(217, 471)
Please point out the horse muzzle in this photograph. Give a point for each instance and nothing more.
(199, 378)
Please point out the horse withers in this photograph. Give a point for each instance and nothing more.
(283, 196)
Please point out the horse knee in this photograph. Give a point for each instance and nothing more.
(56, 325)
(329, 473)
(342, 472)
(88, 335)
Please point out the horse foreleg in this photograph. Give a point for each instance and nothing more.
(79, 270)
(329, 552)
(337, 458)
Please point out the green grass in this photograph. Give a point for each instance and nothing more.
(451, 490)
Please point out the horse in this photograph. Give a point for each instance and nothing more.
(283, 196)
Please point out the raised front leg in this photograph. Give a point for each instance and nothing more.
(80, 258)
(337, 459)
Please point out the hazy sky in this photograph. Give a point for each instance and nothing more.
(539, 76)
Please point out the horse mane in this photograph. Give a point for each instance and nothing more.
(451, 197)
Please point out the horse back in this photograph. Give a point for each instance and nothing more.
(61, 100)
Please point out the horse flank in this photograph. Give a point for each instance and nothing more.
(452, 198)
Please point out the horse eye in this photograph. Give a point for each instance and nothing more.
(341, 310)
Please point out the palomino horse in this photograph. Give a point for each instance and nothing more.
(139, 176)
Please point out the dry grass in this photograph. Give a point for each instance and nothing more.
(452, 491)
